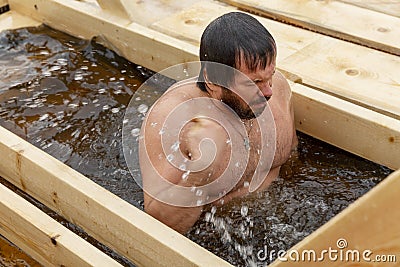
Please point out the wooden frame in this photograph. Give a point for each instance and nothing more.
(131, 232)
(44, 239)
(332, 18)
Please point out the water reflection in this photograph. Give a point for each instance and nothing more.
(68, 97)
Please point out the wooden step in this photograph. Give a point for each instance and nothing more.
(13, 20)
(347, 22)
(390, 7)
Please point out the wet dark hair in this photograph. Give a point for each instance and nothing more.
(229, 38)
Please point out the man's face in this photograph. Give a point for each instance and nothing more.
(250, 91)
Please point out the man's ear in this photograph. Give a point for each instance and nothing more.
(212, 89)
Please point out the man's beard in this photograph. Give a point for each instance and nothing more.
(242, 109)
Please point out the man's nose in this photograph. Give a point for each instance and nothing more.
(266, 89)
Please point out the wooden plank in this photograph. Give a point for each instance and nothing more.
(390, 7)
(139, 11)
(361, 131)
(47, 241)
(348, 22)
(10, 254)
(370, 223)
(114, 6)
(192, 21)
(114, 222)
(358, 74)
(13, 20)
(133, 41)
(3, 3)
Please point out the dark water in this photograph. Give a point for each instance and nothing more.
(68, 97)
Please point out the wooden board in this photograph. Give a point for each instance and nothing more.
(139, 11)
(390, 7)
(12, 20)
(192, 21)
(370, 223)
(114, 6)
(348, 22)
(358, 74)
(114, 222)
(3, 3)
(361, 131)
(47, 241)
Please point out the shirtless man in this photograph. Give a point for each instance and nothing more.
(239, 41)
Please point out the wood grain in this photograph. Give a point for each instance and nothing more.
(47, 241)
(390, 7)
(358, 74)
(192, 21)
(361, 131)
(13, 20)
(348, 22)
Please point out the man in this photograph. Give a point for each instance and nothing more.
(238, 82)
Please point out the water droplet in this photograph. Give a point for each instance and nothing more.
(175, 146)
(161, 132)
(213, 210)
(237, 164)
(185, 175)
(115, 110)
(105, 107)
(43, 117)
(246, 184)
(199, 202)
(153, 124)
(170, 157)
(135, 132)
(112, 79)
(228, 141)
(199, 192)
(208, 217)
(62, 61)
(143, 108)
(244, 210)
(84, 68)
(78, 77)
(182, 167)
(102, 90)
(72, 105)
(55, 68)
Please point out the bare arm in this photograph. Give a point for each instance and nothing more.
(178, 217)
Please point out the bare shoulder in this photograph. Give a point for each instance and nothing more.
(204, 143)
(282, 84)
